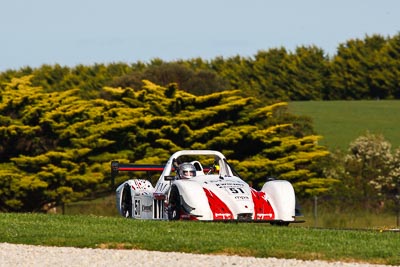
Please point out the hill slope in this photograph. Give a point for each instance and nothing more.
(341, 122)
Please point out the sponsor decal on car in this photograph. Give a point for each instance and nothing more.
(147, 208)
(262, 208)
(219, 209)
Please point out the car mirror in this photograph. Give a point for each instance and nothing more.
(169, 177)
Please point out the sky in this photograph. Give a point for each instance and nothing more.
(73, 32)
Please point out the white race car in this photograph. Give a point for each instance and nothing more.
(213, 191)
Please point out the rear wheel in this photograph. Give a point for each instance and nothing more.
(174, 207)
(126, 203)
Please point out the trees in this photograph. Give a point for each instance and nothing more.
(365, 68)
(387, 78)
(197, 80)
(361, 69)
(44, 159)
(368, 163)
(392, 188)
(56, 147)
(368, 173)
(307, 74)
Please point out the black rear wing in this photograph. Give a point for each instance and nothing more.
(116, 167)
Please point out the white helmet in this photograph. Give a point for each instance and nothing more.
(187, 170)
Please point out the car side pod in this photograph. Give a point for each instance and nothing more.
(281, 196)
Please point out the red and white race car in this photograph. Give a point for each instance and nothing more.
(201, 185)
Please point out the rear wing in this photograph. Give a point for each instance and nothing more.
(116, 167)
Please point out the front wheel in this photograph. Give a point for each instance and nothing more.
(174, 207)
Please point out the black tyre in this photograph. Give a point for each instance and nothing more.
(174, 206)
(126, 203)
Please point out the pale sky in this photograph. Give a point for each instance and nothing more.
(72, 32)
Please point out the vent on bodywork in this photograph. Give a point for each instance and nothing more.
(158, 209)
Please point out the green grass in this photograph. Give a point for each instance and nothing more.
(245, 239)
(104, 206)
(349, 219)
(341, 122)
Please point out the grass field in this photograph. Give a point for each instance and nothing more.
(341, 122)
(245, 239)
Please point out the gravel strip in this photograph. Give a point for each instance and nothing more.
(27, 255)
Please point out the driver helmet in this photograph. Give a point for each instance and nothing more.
(187, 170)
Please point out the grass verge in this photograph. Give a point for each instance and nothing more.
(245, 239)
